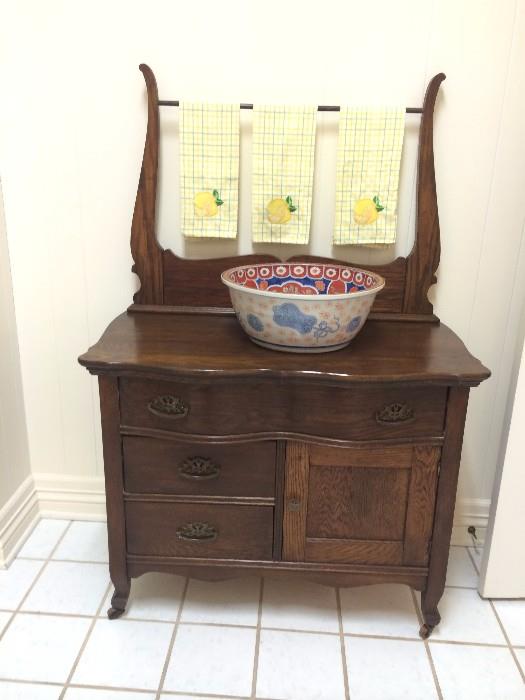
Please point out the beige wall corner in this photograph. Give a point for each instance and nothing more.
(18, 516)
(17, 500)
(503, 564)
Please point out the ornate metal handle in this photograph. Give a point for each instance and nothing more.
(199, 469)
(197, 532)
(167, 406)
(395, 413)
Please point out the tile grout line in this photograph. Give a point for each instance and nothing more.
(25, 681)
(172, 640)
(454, 642)
(503, 630)
(35, 580)
(68, 561)
(342, 641)
(427, 647)
(257, 640)
(507, 639)
(84, 643)
(271, 629)
(125, 689)
(78, 686)
(187, 694)
(141, 691)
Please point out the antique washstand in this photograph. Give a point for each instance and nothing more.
(223, 458)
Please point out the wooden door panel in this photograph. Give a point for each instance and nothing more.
(357, 502)
(358, 494)
(359, 505)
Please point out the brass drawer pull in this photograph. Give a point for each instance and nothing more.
(167, 406)
(199, 469)
(197, 532)
(395, 413)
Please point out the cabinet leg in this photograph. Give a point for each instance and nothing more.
(119, 599)
(431, 615)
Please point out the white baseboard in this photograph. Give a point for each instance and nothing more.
(17, 519)
(71, 497)
(84, 498)
(470, 511)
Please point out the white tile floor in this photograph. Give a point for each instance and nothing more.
(191, 640)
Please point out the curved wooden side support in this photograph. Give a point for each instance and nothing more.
(423, 260)
(145, 249)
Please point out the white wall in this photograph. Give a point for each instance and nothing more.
(71, 138)
(503, 552)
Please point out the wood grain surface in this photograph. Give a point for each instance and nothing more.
(154, 466)
(184, 345)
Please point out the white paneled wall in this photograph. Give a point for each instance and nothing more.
(71, 137)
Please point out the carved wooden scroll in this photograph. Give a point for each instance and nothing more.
(145, 248)
(423, 261)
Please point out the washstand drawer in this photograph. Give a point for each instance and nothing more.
(198, 408)
(154, 465)
(195, 530)
(221, 408)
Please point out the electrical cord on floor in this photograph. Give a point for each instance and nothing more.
(472, 532)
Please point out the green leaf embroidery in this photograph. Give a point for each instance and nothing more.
(291, 206)
(218, 200)
(379, 206)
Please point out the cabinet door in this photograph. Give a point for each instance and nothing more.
(356, 505)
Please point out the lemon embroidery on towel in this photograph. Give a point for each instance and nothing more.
(279, 211)
(207, 203)
(367, 210)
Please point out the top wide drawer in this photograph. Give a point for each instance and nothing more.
(240, 408)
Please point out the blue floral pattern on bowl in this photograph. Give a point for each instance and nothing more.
(354, 324)
(255, 322)
(323, 328)
(290, 315)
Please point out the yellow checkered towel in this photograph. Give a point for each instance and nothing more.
(209, 169)
(367, 175)
(282, 173)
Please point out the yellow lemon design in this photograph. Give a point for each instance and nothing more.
(367, 210)
(207, 203)
(280, 210)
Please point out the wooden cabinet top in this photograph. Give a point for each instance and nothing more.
(211, 346)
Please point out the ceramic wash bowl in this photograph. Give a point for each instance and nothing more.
(302, 307)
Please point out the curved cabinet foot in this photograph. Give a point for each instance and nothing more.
(118, 601)
(113, 613)
(425, 631)
(431, 618)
